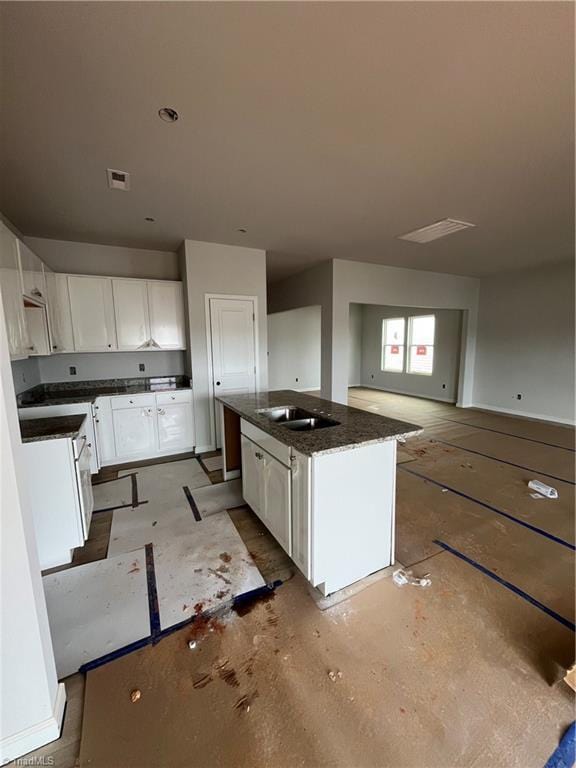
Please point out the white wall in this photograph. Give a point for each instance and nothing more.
(94, 259)
(355, 346)
(313, 287)
(526, 343)
(224, 269)
(443, 383)
(31, 699)
(110, 365)
(26, 374)
(294, 349)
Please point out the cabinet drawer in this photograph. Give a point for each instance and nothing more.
(133, 401)
(180, 396)
(267, 442)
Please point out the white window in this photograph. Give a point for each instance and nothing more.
(421, 345)
(393, 340)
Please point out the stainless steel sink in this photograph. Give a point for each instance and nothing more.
(284, 413)
(297, 419)
(310, 423)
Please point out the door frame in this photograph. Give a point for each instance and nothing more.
(210, 370)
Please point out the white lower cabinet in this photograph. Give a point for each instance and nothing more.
(143, 426)
(333, 513)
(266, 487)
(134, 431)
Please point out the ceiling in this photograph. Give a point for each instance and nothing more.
(323, 129)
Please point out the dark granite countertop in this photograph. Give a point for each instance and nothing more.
(356, 428)
(51, 428)
(62, 393)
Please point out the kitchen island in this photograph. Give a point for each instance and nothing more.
(321, 476)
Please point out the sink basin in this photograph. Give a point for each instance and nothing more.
(284, 413)
(309, 423)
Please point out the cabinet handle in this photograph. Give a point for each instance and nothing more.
(131, 402)
(217, 383)
(259, 455)
(97, 421)
(161, 411)
(109, 345)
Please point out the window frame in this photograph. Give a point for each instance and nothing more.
(410, 344)
(384, 344)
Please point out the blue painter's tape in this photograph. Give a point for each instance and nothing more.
(160, 634)
(534, 528)
(564, 756)
(512, 587)
(502, 461)
(152, 593)
(500, 432)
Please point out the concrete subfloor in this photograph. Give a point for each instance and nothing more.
(465, 672)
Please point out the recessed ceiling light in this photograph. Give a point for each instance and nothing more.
(436, 230)
(168, 114)
(149, 218)
(242, 230)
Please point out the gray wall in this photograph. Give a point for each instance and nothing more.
(294, 349)
(443, 383)
(221, 269)
(25, 373)
(110, 365)
(526, 343)
(355, 346)
(93, 259)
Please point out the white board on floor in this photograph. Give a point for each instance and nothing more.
(164, 482)
(112, 493)
(209, 566)
(148, 524)
(215, 498)
(97, 608)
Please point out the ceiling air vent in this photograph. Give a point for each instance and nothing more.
(118, 179)
(434, 231)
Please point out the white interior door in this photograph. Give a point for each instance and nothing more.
(232, 326)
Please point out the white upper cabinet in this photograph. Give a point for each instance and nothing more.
(59, 316)
(32, 272)
(11, 288)
(92, 310)
(166, 306)
(37, 326)
(131, 311)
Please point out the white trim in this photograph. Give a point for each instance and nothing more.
(408, 394)
(211, 395)
(523, 414)
(37, 735)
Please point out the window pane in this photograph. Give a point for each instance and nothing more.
(393, 358)
(393, 331)
(421, 359)
(422, 330)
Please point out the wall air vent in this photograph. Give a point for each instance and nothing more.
(434, 231)
(118, 179)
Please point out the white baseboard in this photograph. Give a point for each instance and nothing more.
(408, 394)
(37, 735)
(523, 414)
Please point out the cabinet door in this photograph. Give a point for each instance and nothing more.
(134, 431)
(166, 304)
(131, 311)
(59, 317)
(277, 501)
(92, 309)
(37, 325)
(252, 467)
(104, 430)
(32, 273)
(11, 288)
(175, 426)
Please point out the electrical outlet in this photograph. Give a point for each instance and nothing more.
(141, 367)
(72, 370)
